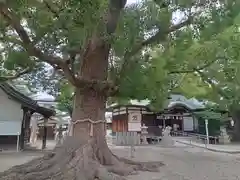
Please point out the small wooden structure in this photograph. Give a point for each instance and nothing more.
(177, 113)
(130, 118)
(50, 128)
(18, 108)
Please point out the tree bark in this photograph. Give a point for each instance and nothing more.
(91, 105)
(236, 130)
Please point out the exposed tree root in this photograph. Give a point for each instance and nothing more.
(78, 161)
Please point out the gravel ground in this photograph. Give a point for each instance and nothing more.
(7, 160)
(182, 163)
(186, 163)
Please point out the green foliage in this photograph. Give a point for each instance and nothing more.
(210, 115)
(216, 48)
(193, 86)
(65, 98)
(225, 71)
(60, 27)
(16, 59)
(215, 120)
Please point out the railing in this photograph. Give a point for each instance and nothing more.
(194, 137)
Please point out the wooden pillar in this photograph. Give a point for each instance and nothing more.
(24, 127)
(44, 138)
(21, 139)
(194, 123)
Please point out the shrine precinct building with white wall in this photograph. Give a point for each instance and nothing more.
(16, 110)
(136, 114)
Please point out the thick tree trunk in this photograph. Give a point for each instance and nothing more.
(236, 131)
(91, 105)
(85, 155)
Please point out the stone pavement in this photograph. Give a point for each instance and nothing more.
(228, 148)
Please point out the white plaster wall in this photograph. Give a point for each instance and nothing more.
(188, 124)
(11, 115)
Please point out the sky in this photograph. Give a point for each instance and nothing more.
(177, 16)
(132, 1)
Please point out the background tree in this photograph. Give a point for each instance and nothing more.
(218, 82)
(105, 49)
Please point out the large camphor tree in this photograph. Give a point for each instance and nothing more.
(105, 48)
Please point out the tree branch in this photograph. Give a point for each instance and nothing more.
(17, 75)
(213, 85)
(51, 9)
(194, 69)
(104, 87)
(160, 35)
(114, 9)
(56, 15)
(55, 61)
(14, 21)
(110, 21)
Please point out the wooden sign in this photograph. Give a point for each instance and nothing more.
(134, 118)
(134, 121)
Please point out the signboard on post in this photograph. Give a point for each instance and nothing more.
(10, 128)
(134, 121)
(206, 128)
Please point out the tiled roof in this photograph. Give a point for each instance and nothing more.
(173, 100)
(191, 104)
(25, 100)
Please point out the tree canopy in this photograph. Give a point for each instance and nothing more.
(155, 47)
(107, 50)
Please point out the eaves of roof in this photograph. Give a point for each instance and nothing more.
(25, 101)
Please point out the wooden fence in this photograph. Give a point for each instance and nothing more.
(127, 138)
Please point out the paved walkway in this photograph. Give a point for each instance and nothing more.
(230, 148)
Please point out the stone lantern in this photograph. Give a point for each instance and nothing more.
(59, 136)
(224, 137)
(144, 134)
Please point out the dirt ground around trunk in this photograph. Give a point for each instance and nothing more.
(181, 162)
(7, 160)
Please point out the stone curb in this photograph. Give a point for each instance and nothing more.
(210, 149)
